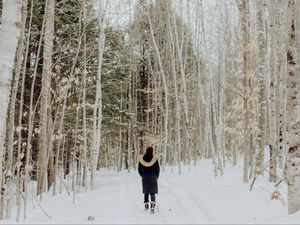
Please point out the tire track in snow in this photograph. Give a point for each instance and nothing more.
(180, 211)
(188, 192)
(204, 211)
(185, 197)
(167, 202)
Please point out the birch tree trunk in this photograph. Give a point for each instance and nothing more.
(292, 167)
(11, 120)
(97, 113)
(261, 82)
(165, 88)
(184, 88)
(243, 7)
(85, 146)
(31, 119)
(277, 83)
(60, 137)
(9, 33)
(45, 92)
(19, 151)
(177, 104)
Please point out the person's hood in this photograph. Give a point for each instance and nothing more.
(147, 160)
(148, 157)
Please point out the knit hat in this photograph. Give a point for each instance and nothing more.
(149, 150)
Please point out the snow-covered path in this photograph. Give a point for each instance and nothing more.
(192, 198)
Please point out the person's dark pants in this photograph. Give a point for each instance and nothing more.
(146, 197)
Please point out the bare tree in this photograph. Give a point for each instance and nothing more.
(293, 126)
(165, 87)
(9, 33)
(243, 6)
(97, 113)
(45, 94)
(261, 63)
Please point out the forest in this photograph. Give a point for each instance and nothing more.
(87, 85)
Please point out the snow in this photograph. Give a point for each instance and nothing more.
(196, 196)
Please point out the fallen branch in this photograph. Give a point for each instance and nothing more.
(64, 184)
(252, 184)
(278, 183)
(33, 195)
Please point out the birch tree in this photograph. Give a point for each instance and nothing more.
(18, 66)
(177, 103)
(45, 94)
(31, 114)
(165, 87)
(293, 126)
(85, 163)
(243, 6)
(97, 113)
(273, 74)
(261, 83)
(9, 34)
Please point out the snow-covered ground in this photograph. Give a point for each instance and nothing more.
(196, 196)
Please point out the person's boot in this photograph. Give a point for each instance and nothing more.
(146, 206)
(152, 207)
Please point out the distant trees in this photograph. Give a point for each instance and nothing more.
(167, 75)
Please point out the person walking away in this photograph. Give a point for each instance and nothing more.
(148, 169)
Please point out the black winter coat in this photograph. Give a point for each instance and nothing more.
(149, 171)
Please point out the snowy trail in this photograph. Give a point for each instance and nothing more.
(185, 203)
(195, 197)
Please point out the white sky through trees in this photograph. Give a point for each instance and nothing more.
(118, 14)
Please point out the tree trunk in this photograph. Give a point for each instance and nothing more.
(177, 104)
(293, 127)
(11, 120)
(261, 83)
(165, 88)
(45, 92)
(184, 89)
(97, 114)
(9, 33)
(31, 119)
(85, 146)
(245, 23)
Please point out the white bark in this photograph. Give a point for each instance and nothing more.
(261, 82)
(9, 33)
(220, 131)
(45, 92)
(60, 137)
(18, 165)
(30, 121)
(177, 104)
(85, 146)
(272, 97)
(293, 127)
(11, 121)
(297, 45)
(165, 88)
(184, 86)
(97, 113)
(243, 7)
